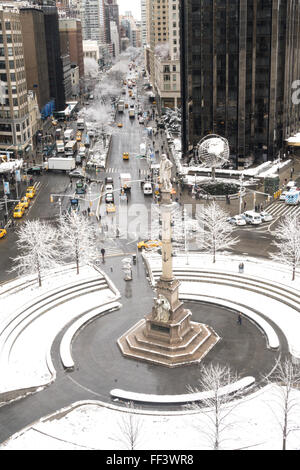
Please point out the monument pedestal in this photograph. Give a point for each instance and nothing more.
(169, 342)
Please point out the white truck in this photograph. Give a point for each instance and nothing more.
(292, 198)
(60, 146)
(125, 181)
(69, 134)
(64, 164)
(121, 106)
(132, 113)
(71, 148)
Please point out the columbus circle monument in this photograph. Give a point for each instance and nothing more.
(168, 336)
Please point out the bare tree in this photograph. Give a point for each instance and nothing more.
(78, 239)
(285, 403)
(130, 425)
(216, 405)
(37, 244)
(287, 234)
(218, 231)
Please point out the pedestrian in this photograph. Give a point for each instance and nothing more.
(245, 205)
(239, 320)
(88, 210)
(103, 254)
(261, 207)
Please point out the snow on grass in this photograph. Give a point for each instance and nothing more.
(25, 344)
(90, 425)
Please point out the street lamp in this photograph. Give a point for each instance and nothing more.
(241, 190)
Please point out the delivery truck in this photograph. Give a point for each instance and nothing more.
(63, 164)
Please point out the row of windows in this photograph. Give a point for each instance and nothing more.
(14, 26)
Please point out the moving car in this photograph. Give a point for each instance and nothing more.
(125, 156)
(34, 170)
(283, 196)
(109, 197)
(78, 136)
(120, 124)
(3, 232)
(237, 220)
(80, 188)
(265, 217)
(109, 180)
(252, 218)
(149, 244)
(109, 188)
(110, 208)
(76, 174)
(18, 211)
(30, 192)
(147, 189)
(25, 201)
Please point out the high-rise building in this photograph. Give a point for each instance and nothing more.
(15, 130)
(111, 14)
(163, 51)
(93, 20)
(144, 22)
(70, 29)
(35, 53)
(239, 61)
(55, 65)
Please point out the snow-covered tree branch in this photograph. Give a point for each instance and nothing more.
(78, 239)
(218, 233)
(217, 407)
(287, 234)
(285, 403)
(37, 244)
(130, 426)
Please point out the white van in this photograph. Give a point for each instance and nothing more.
(147, 189)
(252, 218)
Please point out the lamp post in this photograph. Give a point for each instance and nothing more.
(241, 191)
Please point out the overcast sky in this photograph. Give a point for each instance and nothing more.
(130, 5)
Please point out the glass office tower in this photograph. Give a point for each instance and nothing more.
(239, 61)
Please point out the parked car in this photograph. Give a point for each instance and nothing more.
(283, 195)
(3, 232)
(237, 220)
(34, 170)
(252, 218)
(265, 217)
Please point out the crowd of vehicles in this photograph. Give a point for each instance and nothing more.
(24, 203)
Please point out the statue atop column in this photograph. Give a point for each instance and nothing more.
(165, 173)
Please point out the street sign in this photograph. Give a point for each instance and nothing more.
(6, 187)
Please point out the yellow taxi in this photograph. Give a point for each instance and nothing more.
(54, 123)
(126, 105)
(24, 201)
(130, 93)
(125, 156)
(120, 124)
(78, 136)
(30, 192)
(149, 244)
(18, 211)
(3, 232)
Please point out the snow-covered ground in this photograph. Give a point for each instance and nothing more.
(95, 425)
(90, 425)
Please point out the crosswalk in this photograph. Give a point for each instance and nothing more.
(280, 209)
(120, 170)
